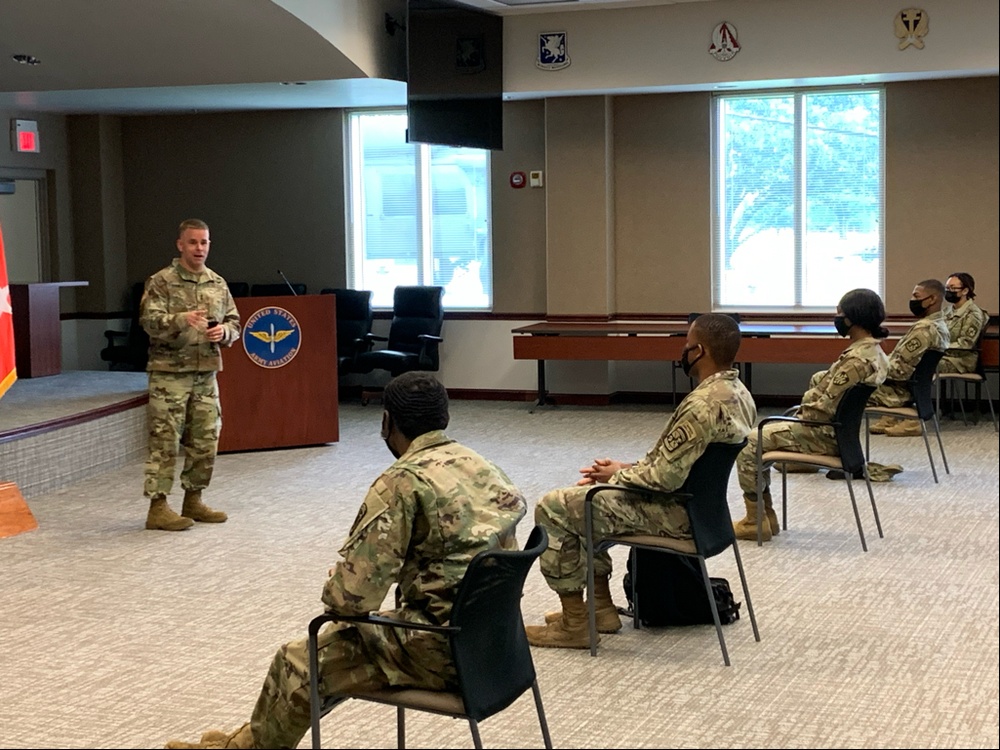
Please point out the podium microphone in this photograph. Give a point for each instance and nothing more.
(292, 288)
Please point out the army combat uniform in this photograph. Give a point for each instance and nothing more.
(965, 325)
(718, 410)
(929, 332)
(183, 393)
(420, 525)
(861, 362)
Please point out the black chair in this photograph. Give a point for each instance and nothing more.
(414, 334)
(239, 288)
(276, 290)
(354, 323)
(676, 365)
(977, 377)
(704, 494)
(846, 426)
(921, 385)
(128, 350)
(488, 645)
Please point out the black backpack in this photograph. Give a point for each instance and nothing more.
(671, 591)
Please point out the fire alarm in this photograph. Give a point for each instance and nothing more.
(517, 179)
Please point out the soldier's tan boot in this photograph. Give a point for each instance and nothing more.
(608, 620)
(162, 517)
(880, 425)
(569, 631)
(905, 428)
(772, 517)
(241, 739)
(196, 510)
(746, 528)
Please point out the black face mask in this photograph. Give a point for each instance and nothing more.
(917, 307)
(385, 437)
(952, 297)
(687, 364)
(841, 324)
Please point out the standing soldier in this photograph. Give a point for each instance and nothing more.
(420, 525)
(189, 314)
(718, 410)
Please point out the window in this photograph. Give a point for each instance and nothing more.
(798, 198)
(417, 214)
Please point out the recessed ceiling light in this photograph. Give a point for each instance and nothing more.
(292, 83)
(26, 59)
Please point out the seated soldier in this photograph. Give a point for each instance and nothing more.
(965, 320)
(718, 410)
(930, 332)
(421, 523)
(859, 317)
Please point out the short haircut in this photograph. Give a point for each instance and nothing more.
(967, 281)
(191, 224)
(865, 308)
(933, 286)
(721, 336)
(417, 403)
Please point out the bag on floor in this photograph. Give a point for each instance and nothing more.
(671, 591)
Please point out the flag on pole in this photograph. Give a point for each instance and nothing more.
(8, 370)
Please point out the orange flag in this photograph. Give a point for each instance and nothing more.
(8, 370)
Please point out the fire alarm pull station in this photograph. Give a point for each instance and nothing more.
(517, 179)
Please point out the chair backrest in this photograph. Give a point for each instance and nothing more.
(276, 290)
(416, 310)
(137, 341)
(921, 383)
(708, 509)
(848, 415)
(491, 651)
(354, 318)
(239, 288)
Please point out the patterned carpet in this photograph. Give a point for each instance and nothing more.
(113, 636)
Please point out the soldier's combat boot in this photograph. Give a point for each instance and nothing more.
(196, 510)
(746, 528)
(241, 739)
(569, 631)
(162, 517)
(880, 425)
(772, 517)
(905, 428)
(608, 620)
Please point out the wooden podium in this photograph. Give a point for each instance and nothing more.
(281, 405)
(37, 331)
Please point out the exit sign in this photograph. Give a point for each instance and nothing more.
(24, 134)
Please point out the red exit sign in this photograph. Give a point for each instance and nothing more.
(25, 136)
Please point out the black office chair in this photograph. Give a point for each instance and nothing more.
(354, 323)
(704, 494)
(488, 645)
(676, 365)
(239, 288)
(414, 335)
(921, 385)
(977, 377)
(850, 459)
(128, 350)
(276, 290)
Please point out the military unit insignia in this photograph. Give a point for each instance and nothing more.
(470, 55)
(911, 27)
(678, 436)
(272, 337)
(840, 378)
(552, 53)
(912, 345)
(724, 45)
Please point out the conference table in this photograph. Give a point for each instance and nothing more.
(763, 342)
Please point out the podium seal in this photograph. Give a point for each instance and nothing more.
(272, 337)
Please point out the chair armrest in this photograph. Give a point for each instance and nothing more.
(425, 337)
(796, 420)
(373, 619)
(373, 337)
(645, 491)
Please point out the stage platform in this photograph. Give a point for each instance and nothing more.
(59, 429)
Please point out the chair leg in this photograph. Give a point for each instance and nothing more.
(476, 739)
(746, 591)
(541, 714)
(857, 516)
(989, 400)
(961, 403)
(760, 502)
(401, 728)
(927, 444)
(867, 440)
(871, 495)
(715, 610)
(591, 605)
(944, 458)
(784, 501)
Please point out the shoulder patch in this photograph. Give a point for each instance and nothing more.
(840, 378)
(681, 434)
(913, 344)
(373, 506)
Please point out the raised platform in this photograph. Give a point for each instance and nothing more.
(59, 429)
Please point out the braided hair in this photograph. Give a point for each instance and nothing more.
(864, 307)
(417, 403)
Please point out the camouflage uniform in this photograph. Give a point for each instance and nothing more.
(183, 393)
(719, 410)
(965, 324)
(861, 362)
(929, 332)
(420, 525)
